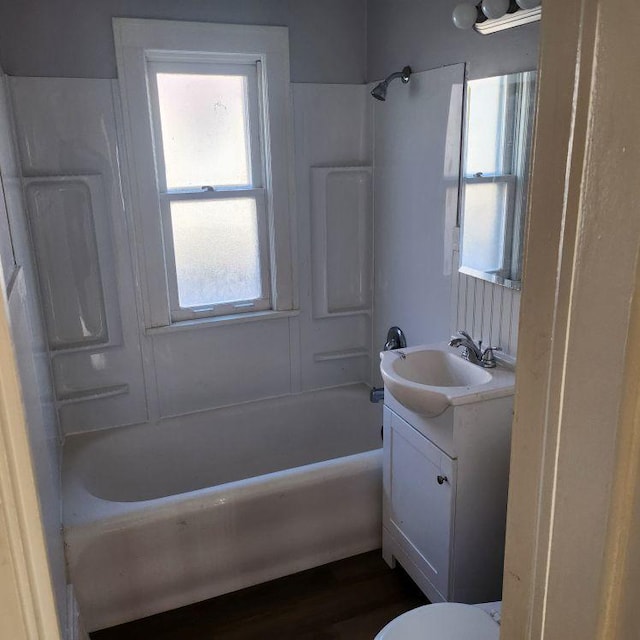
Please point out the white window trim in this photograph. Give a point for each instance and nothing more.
(139, 42)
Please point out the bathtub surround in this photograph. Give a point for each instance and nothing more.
(18, 277)
(69, 132)
(175, 514)
(332, 137)
(69, 128)
(79, 136)
(178, 381)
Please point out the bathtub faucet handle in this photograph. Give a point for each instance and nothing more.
(395, 339)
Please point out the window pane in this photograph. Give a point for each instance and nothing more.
(216, 250)
(485, 214)
(485, 127)
(205, 134)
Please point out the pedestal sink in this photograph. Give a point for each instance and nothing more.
(427, 379)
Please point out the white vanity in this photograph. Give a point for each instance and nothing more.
(446, 466)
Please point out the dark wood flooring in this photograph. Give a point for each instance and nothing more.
(347, 600)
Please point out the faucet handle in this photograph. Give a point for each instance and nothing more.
(464, 334)
(488, 360)
(395, 339)
(493, 349)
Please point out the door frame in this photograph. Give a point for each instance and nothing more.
(574, 503)
(27, 604)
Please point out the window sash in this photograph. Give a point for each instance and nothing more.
(178, 312)
(508, 216)
(252, 115)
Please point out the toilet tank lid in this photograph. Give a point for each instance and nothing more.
(444, 621)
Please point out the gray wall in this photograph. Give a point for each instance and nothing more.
(73, 38)
(420, 33)
(416, 159)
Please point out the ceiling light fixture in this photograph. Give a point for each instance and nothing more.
(489, 16)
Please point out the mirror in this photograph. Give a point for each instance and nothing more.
(495, 176)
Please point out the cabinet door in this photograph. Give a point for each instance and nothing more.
(420, 493)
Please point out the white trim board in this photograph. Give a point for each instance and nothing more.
(137, 42)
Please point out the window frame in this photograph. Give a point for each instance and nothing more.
(507, 174)
(143, 47)
(211, 65)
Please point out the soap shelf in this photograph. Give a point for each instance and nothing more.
(97, 393)
(344, 354)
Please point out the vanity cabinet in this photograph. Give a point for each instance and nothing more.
(445, 497)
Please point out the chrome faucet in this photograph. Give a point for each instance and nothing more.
(473, 352)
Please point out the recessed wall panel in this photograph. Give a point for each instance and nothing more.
(348, 240)
(64, 237)
(342, 239)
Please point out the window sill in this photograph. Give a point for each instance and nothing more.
(218, 321)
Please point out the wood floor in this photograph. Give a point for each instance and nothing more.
(347, 600)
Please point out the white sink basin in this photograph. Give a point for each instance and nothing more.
(428, 379)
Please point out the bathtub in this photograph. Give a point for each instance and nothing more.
(161, 516)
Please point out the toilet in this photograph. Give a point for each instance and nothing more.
(445, 621)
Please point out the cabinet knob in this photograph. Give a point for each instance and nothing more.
(442, 479)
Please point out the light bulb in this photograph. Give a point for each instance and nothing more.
(465, 16)
(528, 4)
(494, 8)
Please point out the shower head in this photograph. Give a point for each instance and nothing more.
(379, 92)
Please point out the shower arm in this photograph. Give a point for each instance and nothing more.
(404, 75)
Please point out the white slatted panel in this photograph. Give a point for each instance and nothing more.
(486, 311)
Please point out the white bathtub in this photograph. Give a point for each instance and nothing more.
(157, 517)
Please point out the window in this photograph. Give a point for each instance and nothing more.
(209, 173)
(494, 181)
(488, 183)
(207, 111)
